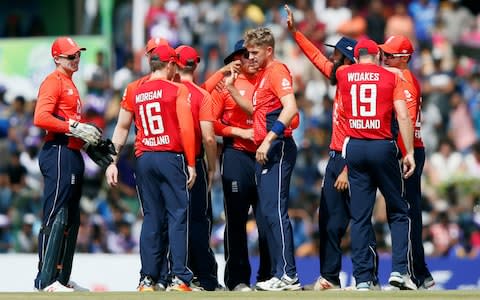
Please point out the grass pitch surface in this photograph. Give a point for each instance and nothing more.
(300, 295)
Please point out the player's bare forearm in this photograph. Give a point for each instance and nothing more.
(289, 110)
(210, 144)
(404, 124)
(244, 103)
(120, 133)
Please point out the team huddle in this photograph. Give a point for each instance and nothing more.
(250, 102)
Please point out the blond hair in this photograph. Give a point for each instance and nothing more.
(259, 37)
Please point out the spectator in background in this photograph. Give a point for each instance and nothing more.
(437, 87)
(332, 15)
(6, 241)
(460, 129)
(123, 76)
(472, 161)
(6, 194)
(376, 21)
(161, 22)
(423, 13)
(97, 79)
(26, 238)
(444, 234)
(20, 121)
(211, 13)
(400, 23)
(457, 17)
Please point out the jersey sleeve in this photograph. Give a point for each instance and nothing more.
(206, 110)
(399, 90)
(218, 105)
(281, 81)
(127, 98)
(212, 81)
(313, 54)
(185, 122)
(48, 95)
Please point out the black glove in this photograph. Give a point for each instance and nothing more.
(102, 153)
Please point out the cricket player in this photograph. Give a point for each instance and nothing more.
(397, 52)
(165, 167)
(274, 108)
(58, 111)
(201, 257)
(334, 214)
(238, 174)
(371, 96)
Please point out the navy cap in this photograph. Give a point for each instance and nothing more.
(346, 46)
(238, 49)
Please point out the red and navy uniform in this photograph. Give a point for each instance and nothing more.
(62, 165)
(165, 136)
(368, 92)
(413, 191)
(334, 214)
(239, 187)
(273, 178)
(201, 257)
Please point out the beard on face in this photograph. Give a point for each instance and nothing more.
(336, 65)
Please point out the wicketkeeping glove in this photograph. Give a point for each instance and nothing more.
(88, 133)
(102, 153)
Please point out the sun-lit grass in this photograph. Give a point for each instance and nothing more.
(302, 295)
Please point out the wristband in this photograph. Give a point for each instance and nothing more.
(278, 128)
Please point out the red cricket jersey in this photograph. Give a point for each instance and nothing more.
(272, 84)
(325, 66)
(413, 98)
(229, 114)
(57, 102)
(368, 92)
(128, 102)
(163, 119)
(201, 105)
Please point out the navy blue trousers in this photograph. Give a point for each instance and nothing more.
(413, 191)
(201, 257)
(62, 169)
(273, 186)
(373, 164)
(334, 216)
(162, 187)
(240, 193)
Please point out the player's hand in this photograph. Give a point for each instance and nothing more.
(408, 165)
(262, 151)
(341, 184)
(112, 175)
(220, 87)
(233, 65)
(230, 79)
(290, 20)
(90, 134)
(192, 175)
(246, 134)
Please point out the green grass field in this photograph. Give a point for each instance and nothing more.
(302, 295)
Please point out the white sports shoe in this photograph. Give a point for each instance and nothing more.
(76, 287)
(283, 284)
(57, 287)
(403, 282)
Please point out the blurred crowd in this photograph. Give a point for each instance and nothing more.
(446, 37)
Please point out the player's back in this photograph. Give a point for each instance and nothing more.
(367, 92)
(156, 117)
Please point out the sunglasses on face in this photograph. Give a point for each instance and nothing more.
(389, 55)
(71, 56)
